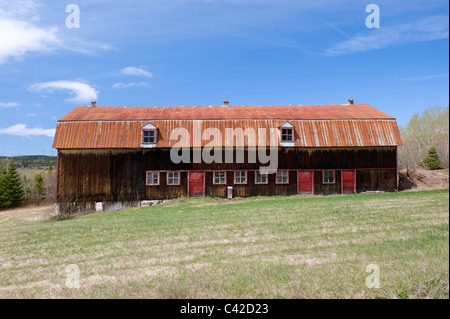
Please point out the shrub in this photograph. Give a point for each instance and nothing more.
(432, 160)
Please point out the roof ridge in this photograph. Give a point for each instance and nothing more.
(248, 112)
(219, 106)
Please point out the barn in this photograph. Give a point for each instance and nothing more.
(116, 157)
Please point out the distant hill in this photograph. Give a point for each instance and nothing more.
(32, 161)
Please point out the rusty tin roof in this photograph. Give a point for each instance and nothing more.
(349, 125)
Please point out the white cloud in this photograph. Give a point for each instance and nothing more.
(9, 104)
(131, 70)
(86, 47)
(431, 28)
(21, 34)
(24, 131)
(21, 37)
(82, 92)
(26, 9)
(120, 85)
(427, 77)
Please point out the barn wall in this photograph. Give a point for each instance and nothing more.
(326, 189)
(376, 180)
(164, 191)
(119, 175)
(251, 188)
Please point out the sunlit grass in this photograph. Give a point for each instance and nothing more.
(262, 247)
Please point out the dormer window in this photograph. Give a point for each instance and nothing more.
(149, 134)
(287, 134)
(149, 137)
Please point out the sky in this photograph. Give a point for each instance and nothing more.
(201, 52)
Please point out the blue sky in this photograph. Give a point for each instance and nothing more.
(200, 52)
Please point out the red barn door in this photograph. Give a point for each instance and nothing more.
(305, 181)
(348, 182)
(196, 184)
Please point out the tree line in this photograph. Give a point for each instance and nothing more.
(17, 189)
(32, 161)
(425, 140)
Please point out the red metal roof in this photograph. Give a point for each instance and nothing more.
(358, 125)
(287, 112)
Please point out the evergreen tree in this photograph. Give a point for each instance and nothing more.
(2, 187)
(39, 184)
(12, 194)
(432, 160)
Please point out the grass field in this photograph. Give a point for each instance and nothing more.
(268, 247)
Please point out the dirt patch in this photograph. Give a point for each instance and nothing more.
(422, 179)
(173, 201)
(27, 213)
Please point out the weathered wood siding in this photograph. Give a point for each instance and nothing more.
(376, 180)
(119, 175)
(326, 189)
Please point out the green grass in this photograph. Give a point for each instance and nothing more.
(262, 247)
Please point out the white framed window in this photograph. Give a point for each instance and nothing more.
(261, 177)
(149, 136)
(328, 177)
(287, 134)
(173, 178)
(282, 177)
(152, 179)
(219, 178)
(240, 177)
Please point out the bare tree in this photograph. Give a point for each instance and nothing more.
(50, 186)
(430, 128)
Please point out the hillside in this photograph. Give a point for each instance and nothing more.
(261, 247)
(33, 161)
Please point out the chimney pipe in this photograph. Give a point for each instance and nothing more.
(93, 103)
(226, 103)
(351, 101)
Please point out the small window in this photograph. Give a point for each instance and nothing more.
(240, 177)
(152, 178)
(287, 135)
(149, 136)
(261, 178)
(282, 177)
(328, 177)
(219, 178)
(173, 178)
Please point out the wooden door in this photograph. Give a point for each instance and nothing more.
(196, 184)
(349, 182)
(305, 182)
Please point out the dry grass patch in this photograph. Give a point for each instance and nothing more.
(272, 247)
